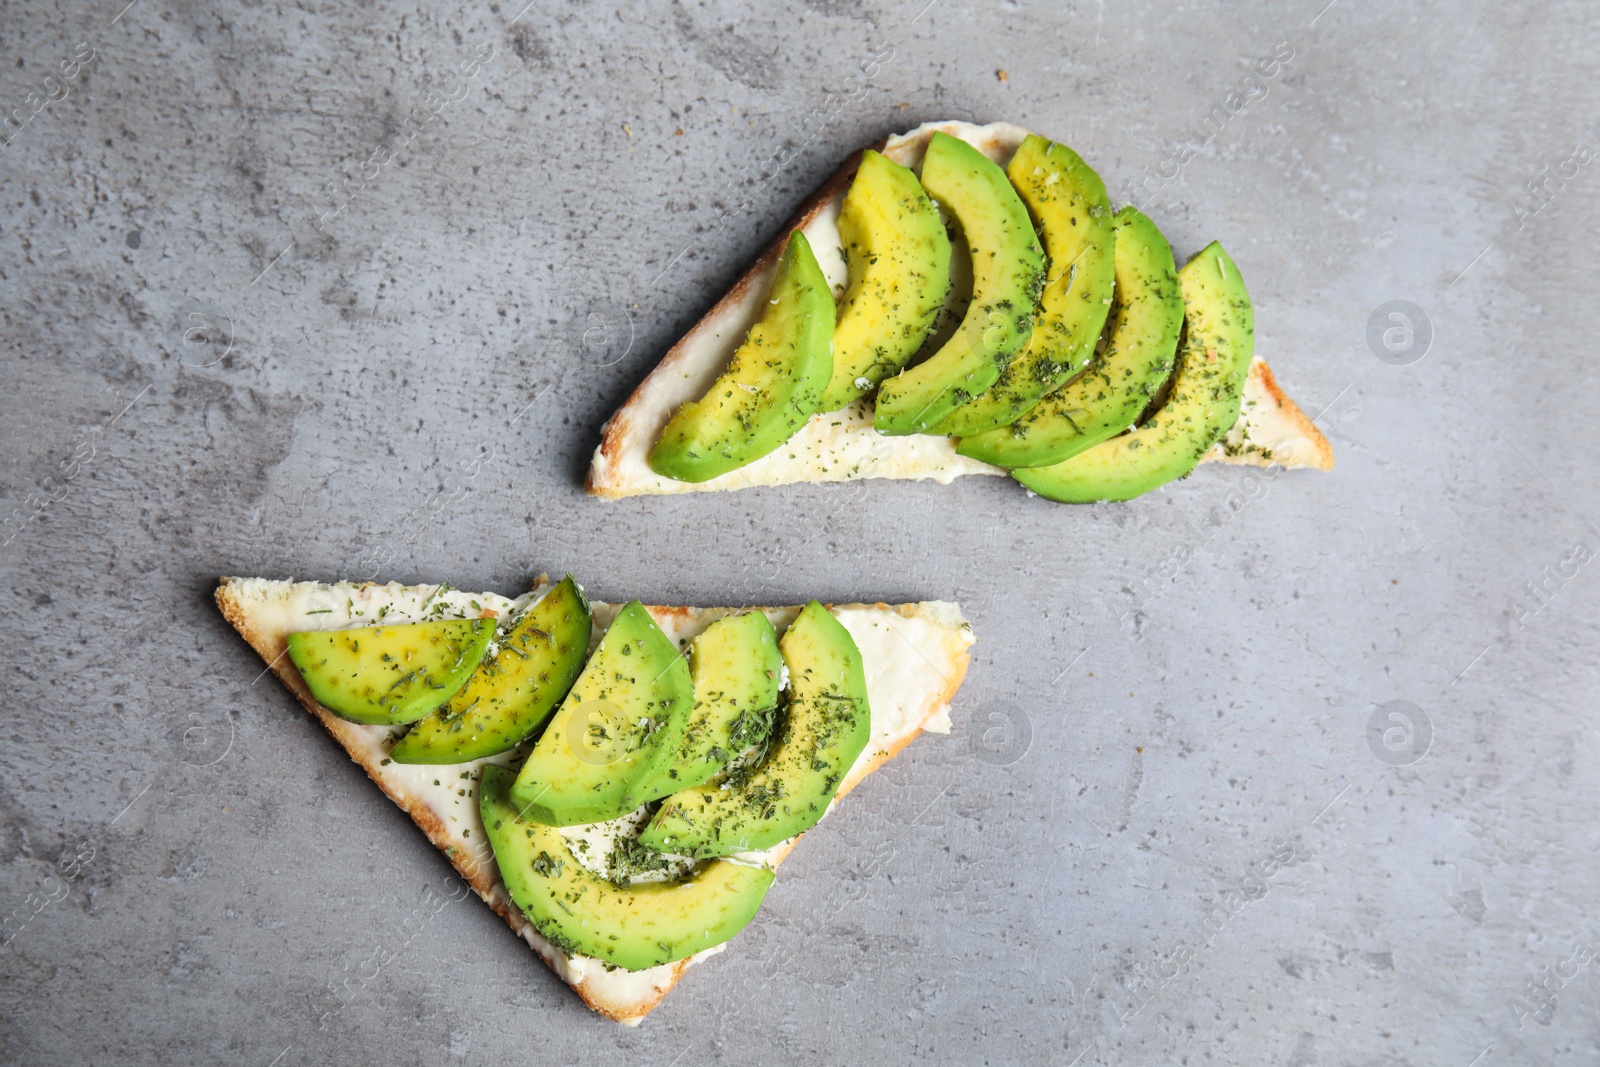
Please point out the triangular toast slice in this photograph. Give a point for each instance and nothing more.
(838, 446)
(915, 657)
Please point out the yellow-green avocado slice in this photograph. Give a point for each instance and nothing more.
(1203, 403)
(898, 256)
(583, 914)
(772, 385)
(1068, 203)
(511, 694)
(619, 729)
(1117, 386)
(1007, 271)
(827, 725)
(736, 669)
(389, 675)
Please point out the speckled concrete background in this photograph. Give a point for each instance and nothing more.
(1180, 818)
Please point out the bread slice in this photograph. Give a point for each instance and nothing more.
(915, 657)
(838, 446)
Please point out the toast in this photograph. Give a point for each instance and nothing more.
(915, 656)
(842, 445)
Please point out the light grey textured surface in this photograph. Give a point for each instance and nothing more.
(203, 375)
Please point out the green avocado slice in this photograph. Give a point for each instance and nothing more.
(1007, 272)
(898, 256)
(827, 725)
(772, 385)
(736, 669)
(1202, 406)
(389, 675)
(1145, 322)
(610, 743)
(582, 914)
(1068, 202)
(510, 695)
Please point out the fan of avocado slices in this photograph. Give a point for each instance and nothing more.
(1064, 366)
(629, 793)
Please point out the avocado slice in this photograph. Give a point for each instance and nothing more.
(582, 914)
(826, 726)
(1203, 404)
(616, 733)
(1007, 272)
(511, 694)
(898, 256)
(736, 669)
(1120, 381)
(389, 675)
(772, 385)
(1069, 205)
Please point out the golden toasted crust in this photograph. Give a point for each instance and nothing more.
(1321, 450)
(483, 876)
(1271, 430)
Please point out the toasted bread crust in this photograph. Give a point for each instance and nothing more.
(1321, 450)
(483, 876)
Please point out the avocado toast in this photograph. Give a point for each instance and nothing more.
(1029, 335)
(910, 659)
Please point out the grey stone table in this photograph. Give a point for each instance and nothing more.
(1291, 771)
